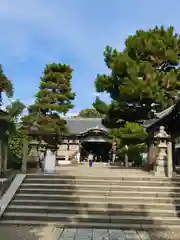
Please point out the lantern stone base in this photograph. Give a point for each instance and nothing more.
(160, 169)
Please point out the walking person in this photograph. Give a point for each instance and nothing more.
(90, 159)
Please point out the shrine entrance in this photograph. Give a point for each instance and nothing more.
(100, 151)
(95, 141)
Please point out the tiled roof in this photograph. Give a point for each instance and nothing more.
(165, 112)
(80, 125)
(158, 116)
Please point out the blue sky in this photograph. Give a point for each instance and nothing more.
(37, 32)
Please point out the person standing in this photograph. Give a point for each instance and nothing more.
(90, 159)
(78, 157)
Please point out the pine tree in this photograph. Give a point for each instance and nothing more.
(144, 77)
(53, 99)
(5, 85)
(14, 134)
(89, 113)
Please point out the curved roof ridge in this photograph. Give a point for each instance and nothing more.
(69, 118)
(165, 112)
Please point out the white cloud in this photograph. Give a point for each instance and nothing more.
(95, 94)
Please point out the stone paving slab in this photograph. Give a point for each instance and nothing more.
(54, 233)
(102, 169)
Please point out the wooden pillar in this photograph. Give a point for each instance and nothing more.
(25, 155)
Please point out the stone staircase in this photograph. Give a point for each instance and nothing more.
(94, 202)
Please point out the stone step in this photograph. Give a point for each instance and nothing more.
(98, 202)
(91, 225)
(103, 178)
(81, 218)
(46, 185)
(74, 203)
(94, 198)
(109, 193)
(100, 187)
(102, 182)
(93, 210)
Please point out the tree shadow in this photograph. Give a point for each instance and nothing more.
(82, 211)
(133, 167)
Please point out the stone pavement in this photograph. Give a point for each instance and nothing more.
(54, 233)
(101, 170)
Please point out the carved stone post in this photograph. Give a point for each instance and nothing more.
(170, 159)
(5, 157)
(79, 153)
(1, 158)
(161, 157)
(126, 158)
(25, 155)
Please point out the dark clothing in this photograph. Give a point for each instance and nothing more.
(41, 164)
(90, 163)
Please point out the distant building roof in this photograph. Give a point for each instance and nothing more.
(79, 125)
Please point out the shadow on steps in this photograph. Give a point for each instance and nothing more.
(72, 211)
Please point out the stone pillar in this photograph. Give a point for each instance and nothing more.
(126, 158)
(161, 157)
(50, 162)
(79, 154)
(174, 156)
(1, 159)
(126, 162)
(150, 155)
(170, 159)
(5, 157)
(25, 155)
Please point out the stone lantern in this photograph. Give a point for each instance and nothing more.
(33, 153)
(33, 146)
(161, 157)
